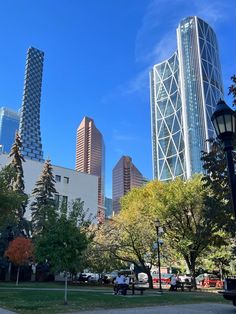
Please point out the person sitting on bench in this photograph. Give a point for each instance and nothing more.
(119, 281)
(173, 283)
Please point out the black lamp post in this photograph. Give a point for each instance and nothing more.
(223, 120)
(159, 231)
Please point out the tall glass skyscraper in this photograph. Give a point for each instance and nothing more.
(30, 111)
(184, 92)
(9, 124)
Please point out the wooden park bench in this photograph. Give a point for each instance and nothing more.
(135, 286)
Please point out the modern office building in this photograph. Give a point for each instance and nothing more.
(90, 157)
(70, 184)
(184, 92)
(125, 176)
(108, 207)
(9, 124)
(30, 111)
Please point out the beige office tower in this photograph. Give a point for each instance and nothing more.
(90, 158)
(125, 176)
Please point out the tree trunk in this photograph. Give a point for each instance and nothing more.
(191, 266)
(65, 296)
(33, 272)
(9, 272)
(221, 271)
(17, 276)
(193, 273)
(148, 272)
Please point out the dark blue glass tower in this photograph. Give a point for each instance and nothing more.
(30, 110)
(9, 124)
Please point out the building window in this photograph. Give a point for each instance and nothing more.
(64, 200)
(58, 178)
(60, 200)
(57, 199)
(66, 180)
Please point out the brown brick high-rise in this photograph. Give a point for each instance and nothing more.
(90, 157)
(125, 176)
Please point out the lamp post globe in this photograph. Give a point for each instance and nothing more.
(223, 120)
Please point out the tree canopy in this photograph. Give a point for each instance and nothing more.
(187, 212)
(17, 182)
(20, 252)
(43, 205)
(63, 240)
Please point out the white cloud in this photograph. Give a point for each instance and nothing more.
(163, 49)
(136, 84)
(213, 11)
(156, 39)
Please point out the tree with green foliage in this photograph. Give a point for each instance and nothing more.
(13, 201)
(131, 236)
(216, 177)
(9, 199)
(43, 205)
(17, 183)
(219, 257)
(190, 214)
(63, 241)
(187, 211)
(97, 258)
(232, 89)
(216, 172)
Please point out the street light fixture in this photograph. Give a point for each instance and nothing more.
(223, 120)
(159, 230)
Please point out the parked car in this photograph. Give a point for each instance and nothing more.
(185, 278)
(142, 277)
(229, 292)
(112, 275)
(165, 278)
(93, 277)
(207, 280)
(82, 277)
(88, 277)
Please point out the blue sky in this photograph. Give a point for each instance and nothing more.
(98, 54)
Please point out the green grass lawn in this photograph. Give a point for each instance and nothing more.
(51, 301)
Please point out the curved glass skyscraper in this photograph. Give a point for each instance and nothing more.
(184, 92)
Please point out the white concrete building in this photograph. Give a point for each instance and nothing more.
(70, 184)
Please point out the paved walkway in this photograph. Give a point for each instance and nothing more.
(3, 311)
(208, 308)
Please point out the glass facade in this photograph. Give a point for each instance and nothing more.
(108, 206)
(167, 121)
(9, 124)
(195, 70)
(30, 110)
